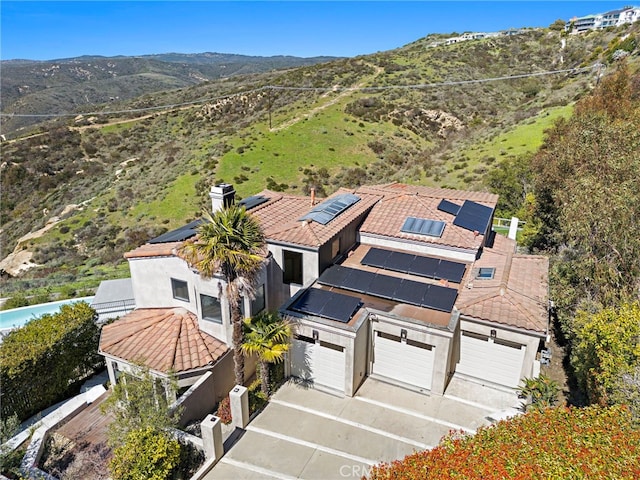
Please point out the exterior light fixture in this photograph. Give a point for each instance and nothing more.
(493, 333)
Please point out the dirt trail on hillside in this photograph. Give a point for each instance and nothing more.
(20, 260)
(336, 99)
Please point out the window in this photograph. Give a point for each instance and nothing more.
(210, 308)
(180, 289)
(292, 267)
(257, 304)
(485, 273)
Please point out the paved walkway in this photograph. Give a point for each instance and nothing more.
(305, 433)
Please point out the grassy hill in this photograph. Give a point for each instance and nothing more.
(399, 115)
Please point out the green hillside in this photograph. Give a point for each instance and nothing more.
(402, 115)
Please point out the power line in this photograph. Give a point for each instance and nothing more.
(314, 89)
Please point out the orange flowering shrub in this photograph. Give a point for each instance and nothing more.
(575, 443)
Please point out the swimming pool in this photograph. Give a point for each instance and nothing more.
(17, 317)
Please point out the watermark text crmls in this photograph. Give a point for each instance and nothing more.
(355, 471)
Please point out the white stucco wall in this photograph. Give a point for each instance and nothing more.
(151, 280)
(421, 249)
(281, 292)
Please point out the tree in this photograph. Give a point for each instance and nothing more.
(268, 336)
(606, 346)
(137, 402)
(576, 443)
(511, 180)
(587, 197)
(230, 243)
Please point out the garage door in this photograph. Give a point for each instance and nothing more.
(490, 359)
(405, 361)
(320, 363)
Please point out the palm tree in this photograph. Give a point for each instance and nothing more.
(268, 336)
(230, 243)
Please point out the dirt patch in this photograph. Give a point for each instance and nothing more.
(66, 459)
(559, 369)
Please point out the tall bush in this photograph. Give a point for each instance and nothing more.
(147, 454)
(562, 443)
(41, 363)
(606, 346)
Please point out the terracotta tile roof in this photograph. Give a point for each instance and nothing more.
(154, 250)
(163, 339)
(401, 201)
(280, 215)
(518, 293)
(395, 188)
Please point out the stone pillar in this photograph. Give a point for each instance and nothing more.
(112, 373)
(513, 228)
(239, 400)
(211, 430)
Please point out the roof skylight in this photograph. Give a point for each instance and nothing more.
(331, 208)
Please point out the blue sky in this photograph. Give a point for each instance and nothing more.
(52, 30)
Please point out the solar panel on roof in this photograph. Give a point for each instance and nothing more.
(473, 216)
(440, 298)
(335, 276)
(384, 286)
(411, 292)
(449, 207)
(341, 307)
(424, 266)
(399, 262)
(376, 257)
(422, 226)
(331, 208)
(358, 280)
(452, 271)
(312, 301)
(253, 201)
(179, 234)
(414, 264)
(326, 304)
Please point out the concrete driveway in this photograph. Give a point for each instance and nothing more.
(309, 434)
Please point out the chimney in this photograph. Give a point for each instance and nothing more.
(222, 196)
(313, 196)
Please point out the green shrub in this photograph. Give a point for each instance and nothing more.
(16, 301)
(58, 350)
(257, 399)
(147, 454)
(542, 391)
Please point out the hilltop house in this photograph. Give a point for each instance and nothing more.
(404, 283)
(598, 21)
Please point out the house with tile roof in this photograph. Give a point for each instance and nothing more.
(404, 283)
